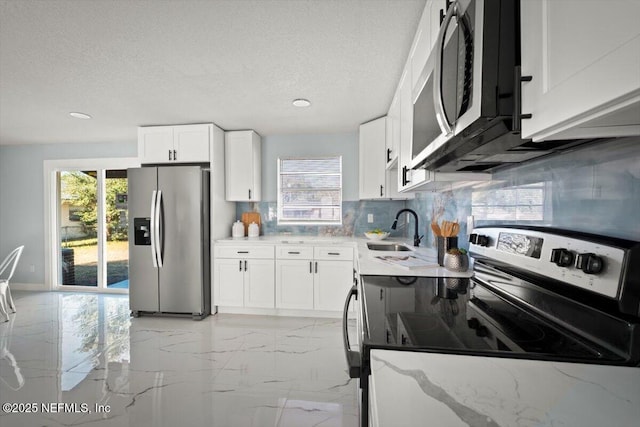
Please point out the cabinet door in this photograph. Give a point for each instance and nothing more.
(240, 166)
(259, 283)
(393, 131)
(422, 46)
(372, 159)
(406, 132)
(294, 284)
(155, 144)
(333, 279)
(228, 284)
(191, 143)
(584, 59)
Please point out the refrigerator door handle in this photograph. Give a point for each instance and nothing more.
(153, 229)
(157, 229)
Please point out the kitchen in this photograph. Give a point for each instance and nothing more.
(591, 188)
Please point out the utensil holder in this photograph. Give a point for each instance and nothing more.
(443, 245)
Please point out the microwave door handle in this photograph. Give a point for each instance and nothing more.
(441, 115)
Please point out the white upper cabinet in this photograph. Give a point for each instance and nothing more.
(175, 144)
(376, 181)
(242, 166)
(392, 141)
(584, 60)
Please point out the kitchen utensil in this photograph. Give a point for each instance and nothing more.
(248, 218)
(436, 229)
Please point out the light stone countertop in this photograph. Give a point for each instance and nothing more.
(367, 263)
(412, 388)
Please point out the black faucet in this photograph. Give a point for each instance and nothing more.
(416, 237)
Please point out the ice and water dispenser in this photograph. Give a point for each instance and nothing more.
(142, 231)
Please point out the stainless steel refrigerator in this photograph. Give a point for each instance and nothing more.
(169, 263)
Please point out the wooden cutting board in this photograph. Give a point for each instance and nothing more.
(248, 218)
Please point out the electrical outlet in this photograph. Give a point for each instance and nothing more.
(370, 218)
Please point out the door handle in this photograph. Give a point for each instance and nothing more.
(381, 191)
(240, 265)
(169, 154)
(249, 194)
(310, 267)
(353, 357)
(517, 100)
(154, 256)
(157, 230)
(245, 265)
(441, 114)
(388, 155)
(316, 266)
(175, 155)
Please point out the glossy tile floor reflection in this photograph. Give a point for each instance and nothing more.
(227, 370)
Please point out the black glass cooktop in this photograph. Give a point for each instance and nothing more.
(465, 316)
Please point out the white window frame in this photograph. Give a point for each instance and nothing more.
(545, 205)
(51, 231)
(280, 206)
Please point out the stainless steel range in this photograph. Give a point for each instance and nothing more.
(536, 293)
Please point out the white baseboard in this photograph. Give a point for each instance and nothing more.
(281, 312)
(28, 286)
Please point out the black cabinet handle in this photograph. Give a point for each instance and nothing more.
(316, 266)
(169, 154)
(294, 253)
(381, 294)
(516, 126)
(404, 339)
(441, 16)
(405, 181)
(242, 252)
(240, 265)
(249, 194)
(310, 267)
(381, 191)
(388, 155)
(333, 253)
(387, 336)
(175, 155)
(245, 265)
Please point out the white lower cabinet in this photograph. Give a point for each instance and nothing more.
(321, 281)
(332, 283)
(294, 284)
(244, 277)
(297, 277)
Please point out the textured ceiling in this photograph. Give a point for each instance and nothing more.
(238, 64)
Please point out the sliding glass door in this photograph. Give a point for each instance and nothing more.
(92, 229)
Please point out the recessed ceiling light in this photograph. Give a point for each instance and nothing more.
(79, 115)
(301, 102)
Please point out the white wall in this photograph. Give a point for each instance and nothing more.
(22, 198)
(340, 144)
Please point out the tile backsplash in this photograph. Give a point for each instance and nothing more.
(594, 189)
(354, 218)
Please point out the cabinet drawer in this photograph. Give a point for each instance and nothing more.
(245, 252)
(333, 253)
(294, 252)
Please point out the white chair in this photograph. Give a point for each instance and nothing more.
(10, 261)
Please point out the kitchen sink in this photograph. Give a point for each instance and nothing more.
(394, 247)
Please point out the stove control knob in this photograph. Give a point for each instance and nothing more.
(473, 238)
(482, 240)
(590, 263)
(562, 257)
(473, 323)
(482, 331)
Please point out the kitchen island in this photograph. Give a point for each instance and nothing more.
(413, 388)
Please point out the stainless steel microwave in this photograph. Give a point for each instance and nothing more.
(465, 109)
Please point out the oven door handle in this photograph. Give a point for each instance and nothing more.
(353, 357)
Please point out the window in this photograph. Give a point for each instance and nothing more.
(519, 203)
(310, 191)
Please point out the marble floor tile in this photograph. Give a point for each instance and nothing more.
(75, 359)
